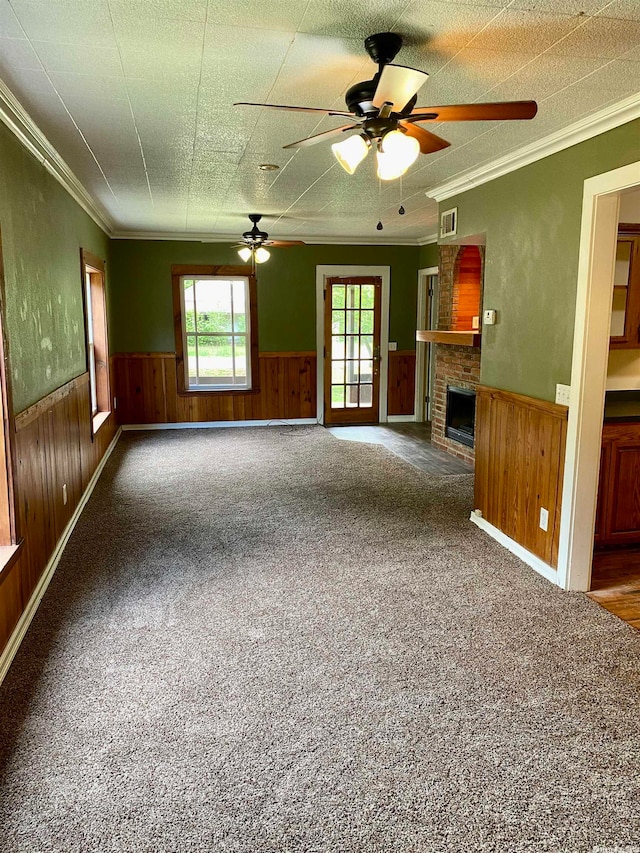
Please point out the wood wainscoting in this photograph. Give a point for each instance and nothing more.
(147, 391)
(53, 446)
(520, 447)
(402, 382)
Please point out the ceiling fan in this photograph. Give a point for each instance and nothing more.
(254, 242)
(383, 111)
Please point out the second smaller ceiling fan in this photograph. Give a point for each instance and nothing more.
(255, 241)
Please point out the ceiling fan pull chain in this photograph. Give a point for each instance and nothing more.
(379, 226)
(401, 210)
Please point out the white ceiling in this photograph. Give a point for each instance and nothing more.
(137, 96)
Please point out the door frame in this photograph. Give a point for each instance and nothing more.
(598, 236)
(424, 351)
(324, 271)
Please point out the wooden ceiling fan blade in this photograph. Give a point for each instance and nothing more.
(240, 246)
(500, 111)
(429, 142)
(321, 137)
(299, 109)
(283, 243)
(397, 85)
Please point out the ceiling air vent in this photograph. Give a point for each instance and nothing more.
(449, 222)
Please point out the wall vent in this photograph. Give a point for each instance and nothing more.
(449, 222)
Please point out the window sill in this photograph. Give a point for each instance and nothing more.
(99, 420)
(8, 557)
(217, 393)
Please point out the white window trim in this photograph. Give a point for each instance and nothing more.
(195, 389)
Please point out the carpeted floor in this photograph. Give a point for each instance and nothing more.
(272, 640)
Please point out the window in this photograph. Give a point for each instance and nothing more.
(216, 341)
(95, 311)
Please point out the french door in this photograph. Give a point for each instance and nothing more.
(352, 313)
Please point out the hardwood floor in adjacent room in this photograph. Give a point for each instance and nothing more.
(615, 583)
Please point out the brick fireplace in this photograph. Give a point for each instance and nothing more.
(456, 367)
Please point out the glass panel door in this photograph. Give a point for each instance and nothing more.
(352, 350)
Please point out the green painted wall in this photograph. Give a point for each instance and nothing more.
(531, 219)
(142, 302)
(43, 230)
(428, 256)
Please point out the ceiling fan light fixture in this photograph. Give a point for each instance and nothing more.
(397, 151)
(262, 255)
(245, 253)
(351, 152)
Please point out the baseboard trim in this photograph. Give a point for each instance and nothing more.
(401, 419)
(16, 638)
(538, 565)
(221, 424)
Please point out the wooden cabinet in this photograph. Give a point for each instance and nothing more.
(618, 510)
(625, 311)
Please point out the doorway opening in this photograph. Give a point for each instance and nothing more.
(598, 247)
(425, 362)
(352, 332)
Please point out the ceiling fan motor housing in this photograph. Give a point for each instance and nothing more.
(383, 47)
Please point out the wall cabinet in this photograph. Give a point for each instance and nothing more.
(625, 310)
(618, 510)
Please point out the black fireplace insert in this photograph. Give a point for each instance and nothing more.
(461, 415)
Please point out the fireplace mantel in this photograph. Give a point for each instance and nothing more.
(468, 338)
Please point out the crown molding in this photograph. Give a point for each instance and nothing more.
(194, 237)
(20, 123)
(606, 119)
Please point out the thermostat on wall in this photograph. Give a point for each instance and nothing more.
(489, 317)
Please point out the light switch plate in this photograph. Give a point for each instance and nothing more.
(489, 317)
(393, 346)
(563, 395)
(544, 518)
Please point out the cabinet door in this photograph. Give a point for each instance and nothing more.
(625, 310)
(623, 505)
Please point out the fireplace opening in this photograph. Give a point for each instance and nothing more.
(461, 415)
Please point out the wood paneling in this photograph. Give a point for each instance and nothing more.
(147, 391)
(54, 447)
(402, 382)
(520, 444)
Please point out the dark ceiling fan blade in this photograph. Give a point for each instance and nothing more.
(299, 109)
(240, 246)
(321, 137)
(397, 85)
(283, 243)
(501, 111)
(429, 142)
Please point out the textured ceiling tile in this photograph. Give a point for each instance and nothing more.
(76, 59)
(443, 27)
(284, 15)
(85, 22)
(82, 86)
(229, 63)
(623, 9)
(17, 53)
(525, 32)
(9, 26)
(170, 50)
(133, 13)
(24, 82)
(352, 18)
(600, 37)
(544, 76)
(579, 8)
(318, 70)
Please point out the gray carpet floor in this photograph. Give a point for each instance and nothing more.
(273, 640)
